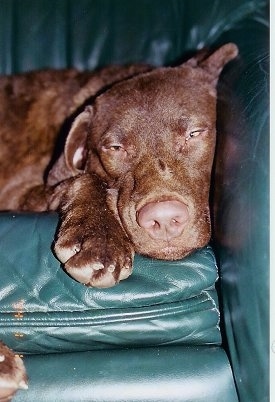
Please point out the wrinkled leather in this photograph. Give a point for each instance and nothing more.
(169, 302)
(87, 34)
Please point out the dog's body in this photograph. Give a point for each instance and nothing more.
(34, 108)
(135, 170)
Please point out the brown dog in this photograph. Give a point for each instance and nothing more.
(135, 170)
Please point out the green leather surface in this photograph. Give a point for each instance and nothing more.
(167, 374)
(85, 34)
(243, 255)
(44, 310)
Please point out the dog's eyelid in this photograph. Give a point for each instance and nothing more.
(195, 133)
(114, 147)
(112, 142)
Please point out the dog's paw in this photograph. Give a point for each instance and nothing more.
(12, 373)
(94, 258)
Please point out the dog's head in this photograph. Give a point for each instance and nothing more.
(151, 138)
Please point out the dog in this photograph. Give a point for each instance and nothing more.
(133, 174)
(124, 155)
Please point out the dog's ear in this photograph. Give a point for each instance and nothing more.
(215, 62)
(73, 160)
(75, 151)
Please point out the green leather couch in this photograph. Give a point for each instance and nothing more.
(173, 331)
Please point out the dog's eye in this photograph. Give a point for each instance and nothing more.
(113, 147)
(193, 134)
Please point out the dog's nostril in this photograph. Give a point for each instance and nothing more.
(155, 224)
(163, 220)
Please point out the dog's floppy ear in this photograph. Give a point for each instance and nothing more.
(214, 63)
(75, 151)
(73, 160)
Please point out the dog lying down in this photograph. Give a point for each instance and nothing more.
(134, 172)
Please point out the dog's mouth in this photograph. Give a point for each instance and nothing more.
(170, 250)
(171, 253)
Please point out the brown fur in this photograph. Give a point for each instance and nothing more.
(12, 373)
(145, 138)
(34, 106)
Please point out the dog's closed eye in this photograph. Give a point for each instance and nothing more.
(195, 133)
(113, 147)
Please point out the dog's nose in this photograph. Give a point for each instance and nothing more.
(164, 220)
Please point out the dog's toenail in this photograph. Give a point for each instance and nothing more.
(97, 266)
(77, 248)
(111, 268)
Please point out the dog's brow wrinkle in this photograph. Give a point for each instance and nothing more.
(161, 164)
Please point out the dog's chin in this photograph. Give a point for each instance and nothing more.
(169, 252)
(178, 248)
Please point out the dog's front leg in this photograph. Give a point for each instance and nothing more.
(90, 241)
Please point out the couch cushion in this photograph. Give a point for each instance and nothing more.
(44, 310)
(174, 373)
